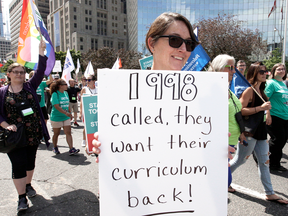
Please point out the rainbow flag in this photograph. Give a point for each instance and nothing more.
(29, 38)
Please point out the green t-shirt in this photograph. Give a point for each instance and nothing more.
(40, 91)
(277, 93)
(63, 100)
(234, 128)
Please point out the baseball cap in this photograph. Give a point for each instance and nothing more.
(56, 76)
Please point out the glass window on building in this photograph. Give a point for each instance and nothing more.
(75, 17)
(75, 25)
(74, 9)
(92, 43)
(81, 39)
(81, 47)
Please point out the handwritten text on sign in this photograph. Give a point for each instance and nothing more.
(164, 142)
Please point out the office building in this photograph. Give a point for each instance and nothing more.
(15, 12)
(254, 13)
(87, 24)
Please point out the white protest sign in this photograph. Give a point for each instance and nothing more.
(164, 138)
(57, 66)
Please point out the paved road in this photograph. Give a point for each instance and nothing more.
(68, 185)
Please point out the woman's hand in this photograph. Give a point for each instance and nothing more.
(266, 106)
(12, 127)
(242, 137)
(268, 119)
(69, 115)
(42, 47)
(96, 145)
(80, 116)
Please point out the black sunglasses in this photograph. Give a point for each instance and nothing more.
(262, 72)
(231, 67)
(176, 42)
(89, 80)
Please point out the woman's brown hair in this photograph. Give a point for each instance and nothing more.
(55, 85)
(274, 69)
(162, 23)
(11, 67)
(252, 78)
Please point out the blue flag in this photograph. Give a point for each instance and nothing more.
(198, 58)
(238, 83)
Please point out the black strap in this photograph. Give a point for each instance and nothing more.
(231, 96)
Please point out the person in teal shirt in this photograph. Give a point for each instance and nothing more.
(41, 96)
(277, 93)
(60, 115)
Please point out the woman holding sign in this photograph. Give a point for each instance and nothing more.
(90, 89)
(60, 115)
(171, 40)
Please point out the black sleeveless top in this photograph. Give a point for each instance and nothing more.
(261, 132)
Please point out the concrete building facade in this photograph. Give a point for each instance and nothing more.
(87, 24)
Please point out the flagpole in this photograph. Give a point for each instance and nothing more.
(274, 28)
(285, 33)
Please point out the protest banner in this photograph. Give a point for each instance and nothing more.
(90, 118)
(57, 67)
(146, 62)
(164, 138)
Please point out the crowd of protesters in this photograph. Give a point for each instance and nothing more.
(170, 40)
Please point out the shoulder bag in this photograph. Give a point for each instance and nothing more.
(10, 140)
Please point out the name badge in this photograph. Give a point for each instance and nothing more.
(73, 98)
(26, 112)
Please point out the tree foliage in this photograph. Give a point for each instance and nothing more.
(6, 65)
(276, 58)
(105, 57)
(62, 56)
(224, 34)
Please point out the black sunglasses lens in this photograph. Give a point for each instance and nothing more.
(261, 72)
(190, 46)
(175, 42)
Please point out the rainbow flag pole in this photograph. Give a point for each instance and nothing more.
(32, 29)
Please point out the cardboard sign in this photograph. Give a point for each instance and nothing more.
(164, 138)
(146, 62)
(57, 66)
(90, 118)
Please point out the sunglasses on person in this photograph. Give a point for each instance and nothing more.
(18, 72)
(176, 42)
(231, 67)
(262, 72)
(89, 80)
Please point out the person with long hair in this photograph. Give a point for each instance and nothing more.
(277, 92)
(19, 104)
(170, 39)
(60, 115)
(252, 103)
